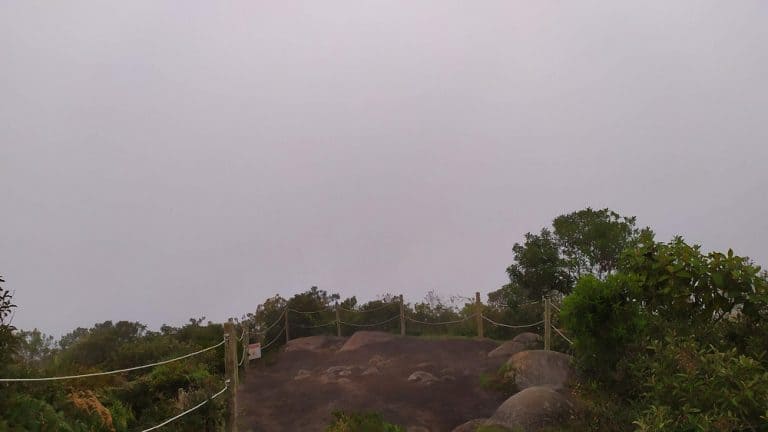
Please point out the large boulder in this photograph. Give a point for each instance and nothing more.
(317, 343)
(363, 338)
(337, 374)
(470, 426)
(541, 368)
(422, 377)
(522, 342)
(533, 409)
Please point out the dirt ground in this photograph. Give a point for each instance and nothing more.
(273, 400)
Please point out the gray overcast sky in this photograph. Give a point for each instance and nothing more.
(162, 160)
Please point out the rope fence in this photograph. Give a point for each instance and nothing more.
(558, 331)
(384, 306)
(116, 371)
(512, 326)
(231, 341)
(478, 315)
(226, 387)
(443, 322)
(315, 326)
(279, 334)
(370, 325)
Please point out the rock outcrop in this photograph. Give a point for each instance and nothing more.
(533, 409)
(314, 343)
(470, 426)
(363, 338)
(541, 368)
(521, 342)
(422, 377)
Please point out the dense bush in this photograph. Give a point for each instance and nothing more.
(687, 387)
(677, 338)
(604, 320)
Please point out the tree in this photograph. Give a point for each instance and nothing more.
(591, 241)
(539, 268)
(8, 341)
(35, 347)
(585, 242)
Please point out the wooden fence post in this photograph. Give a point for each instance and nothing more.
(402, 316)
(338, 321)
(246, 342)
(230, 371)
(547, 325)
(479, 313)
(287, 334)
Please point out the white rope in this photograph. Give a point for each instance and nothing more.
(113, 371)
(314, 326)
(242, 335)
(555, 307)
(310, 312)
(226, 386)
(442, 323)
(563, 336)
(520, 305)
(371, 325)
(279, 320)
(384, 306)
(511, 326)
(273, 340)
(245, 353)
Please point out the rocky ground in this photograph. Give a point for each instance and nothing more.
(428, 385)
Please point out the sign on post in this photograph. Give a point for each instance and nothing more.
(254, 351)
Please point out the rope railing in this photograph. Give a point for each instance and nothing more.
(444, 322)
(512, 326)
(245, 354)
(226, 386)
(278, 336)
(314, 326)
(529, 303)
(310, 312)
(557, 330)
(370, 325)
(384, 306)
(278, 321)
(116, 371)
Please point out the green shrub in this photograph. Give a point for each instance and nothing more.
(692, 388)
(501, 381)
(361, 422)
(603, 320)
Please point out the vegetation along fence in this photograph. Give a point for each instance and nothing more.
(392, 315)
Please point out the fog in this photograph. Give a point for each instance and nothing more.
(167, 160)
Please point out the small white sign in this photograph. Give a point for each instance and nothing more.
(254, 351)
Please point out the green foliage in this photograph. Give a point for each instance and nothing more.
(26, 413)
(689, 387)
(591, 241)
(124, 402)
(539, 268)
(8, 341)
(677, 336)
(604, 320)
(502, 381)
(361, 422)
(682, 285)
(585, 242)
(34, 348)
